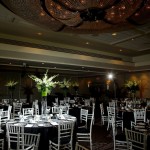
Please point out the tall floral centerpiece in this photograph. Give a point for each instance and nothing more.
(11, 87)
(44, 86)
(64, 85)
(132, 87)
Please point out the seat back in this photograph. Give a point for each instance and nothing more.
(30, 139)
(28, 111)
(18, 140)
(65, 109)
(87, 102)
(61, 102)
(84, 116)
(102, 109)
(36, 107)
(65, 131)
(87, 135)
(2, 144)
(111, 112)
(139, 115)
(138, 139)
(112, 104)
(5, 115)
(16, 108)
(55, 110)
(14, 136)
(90, 115)
(118, 144)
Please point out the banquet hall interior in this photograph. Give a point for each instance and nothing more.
(81, 65)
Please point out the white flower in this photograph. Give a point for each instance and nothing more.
(11, 83)
(75, 84)
(46, 83)
(132, 86)
(65, 83)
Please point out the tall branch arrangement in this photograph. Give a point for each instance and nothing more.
(45, 83)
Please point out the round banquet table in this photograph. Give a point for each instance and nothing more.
(47, 130)
(128, 116)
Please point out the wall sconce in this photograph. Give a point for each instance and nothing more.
(89, 82)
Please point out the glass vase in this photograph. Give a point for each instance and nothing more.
(44, 103)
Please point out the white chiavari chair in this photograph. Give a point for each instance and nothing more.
(83, 118)
(15, 137)
(139, 115)
(119, 138)
(6, 115)
(17, 107)
(138, 140)
(32, 139)
(103, 117)
(64, 138)
(85, 134)
(65, 109)
(90, 115)
(55, 110)
(112, 113)
(36, 107)
(28, 111)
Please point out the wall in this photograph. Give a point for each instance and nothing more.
(99, 82)
(144, 79)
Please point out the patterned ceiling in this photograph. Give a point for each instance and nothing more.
(119, 45)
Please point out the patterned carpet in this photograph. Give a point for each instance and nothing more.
(102, 139)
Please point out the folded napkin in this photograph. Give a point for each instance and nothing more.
(53, 123)
(69, 119)
(61, 117)
(40, 125)
(29, 125)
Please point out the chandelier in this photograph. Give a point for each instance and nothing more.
(82, 16)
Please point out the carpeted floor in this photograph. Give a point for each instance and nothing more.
(102, 139)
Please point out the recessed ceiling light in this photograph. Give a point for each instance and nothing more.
(42, 14)
(42, 63)
(39, 33)
(120, 50)
(114, 33)
(87, 43)
(132, 39)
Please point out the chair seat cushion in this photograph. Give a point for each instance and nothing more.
(81, 124)
(83, 130)
(121, 137)
(62, 140)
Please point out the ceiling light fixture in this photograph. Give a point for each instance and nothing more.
(110, 76)
(114, 34)
(39, 33)
(82, 16)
